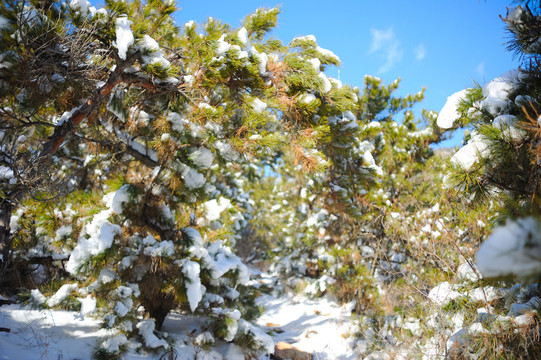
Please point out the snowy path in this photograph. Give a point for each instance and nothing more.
(316, 326)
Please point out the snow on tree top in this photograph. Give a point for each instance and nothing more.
(124, 36)
(305, 38)
(514, 17)
(223, 46)
(500, 87)
(316, 63)
(328, 53)
(449, 113)
(327, 86)
(242, 34)
(80, 5)
(151, 52)
(507, 123)
(497, 91)
(468, 155)
(262, 58)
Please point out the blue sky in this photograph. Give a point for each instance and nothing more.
(442, 45)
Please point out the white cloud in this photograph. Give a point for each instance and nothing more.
(420, 52)
(480, 69)
(381, 39)
(386, 45)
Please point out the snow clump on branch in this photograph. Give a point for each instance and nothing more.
(512, 249)
(124, 36)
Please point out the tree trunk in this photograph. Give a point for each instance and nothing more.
(157, 303)
(6, 209)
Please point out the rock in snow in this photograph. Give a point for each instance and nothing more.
(284, 350)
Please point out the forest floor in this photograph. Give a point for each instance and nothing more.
(317, 326)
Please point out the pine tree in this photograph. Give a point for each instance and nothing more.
(322, 224)
(122, 138)
(499, 162)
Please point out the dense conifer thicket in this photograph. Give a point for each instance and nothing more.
(144, 163)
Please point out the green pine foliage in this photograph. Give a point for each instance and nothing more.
(497, 168)
(143, 162)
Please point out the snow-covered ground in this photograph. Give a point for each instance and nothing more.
(46, 334)
(320, 327)
(55, 334)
